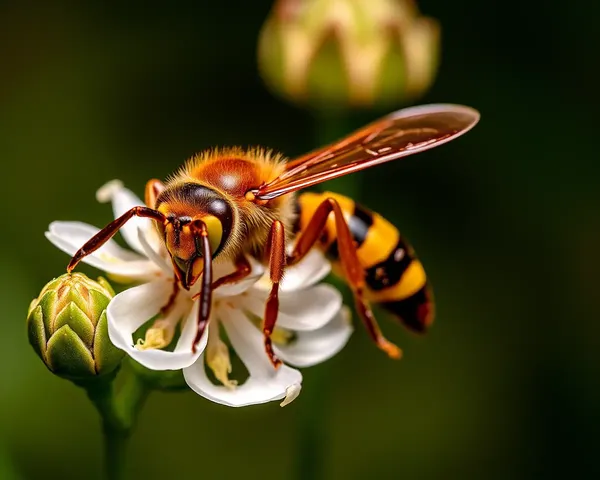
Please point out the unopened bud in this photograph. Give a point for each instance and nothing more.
(348, 53)
(68, 329)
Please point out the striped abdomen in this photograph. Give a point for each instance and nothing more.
(394, 277)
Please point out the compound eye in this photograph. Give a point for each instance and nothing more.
(219, 208)
(214, 238)
(219, 220)
(215, 232)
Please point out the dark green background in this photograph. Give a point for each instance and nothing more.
(505, 220)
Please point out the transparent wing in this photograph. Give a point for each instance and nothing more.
(402, 133)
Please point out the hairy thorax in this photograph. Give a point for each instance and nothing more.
(232, 173)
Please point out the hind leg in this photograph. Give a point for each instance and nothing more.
(353, 270)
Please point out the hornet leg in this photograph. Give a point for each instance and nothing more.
(200, 235)
(110, 230)
(276, 251)
(354, 272)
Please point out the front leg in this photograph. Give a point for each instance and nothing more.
(200, 235)
(110, 230)
(276, 252)
(172, 297)
(242, 270)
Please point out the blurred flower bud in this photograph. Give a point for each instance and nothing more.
(348, 53)
(67, 327)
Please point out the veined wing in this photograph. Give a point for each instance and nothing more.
(402, 133)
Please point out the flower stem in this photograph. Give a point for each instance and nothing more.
(131, 397)
(119, 411)
(115, 451)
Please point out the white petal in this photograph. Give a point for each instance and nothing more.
(70, 237)
(247, 341)
(302, 310)
(132, 308)
(123, 200)
(106, 192)
(311, 270)
(254, 391)
(154, 255)
(311, 348)
(264, 384)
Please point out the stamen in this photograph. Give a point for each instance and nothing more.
(161, 333)
(217, 356)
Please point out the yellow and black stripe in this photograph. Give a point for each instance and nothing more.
(395, 278)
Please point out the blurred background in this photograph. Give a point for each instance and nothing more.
(505, 220)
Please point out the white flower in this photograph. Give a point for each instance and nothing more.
(312, 326)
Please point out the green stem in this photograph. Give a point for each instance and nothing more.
(131, 397)
(119, 411)
(115, 451)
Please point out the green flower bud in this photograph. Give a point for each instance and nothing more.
(348, 53)
(68, 329)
